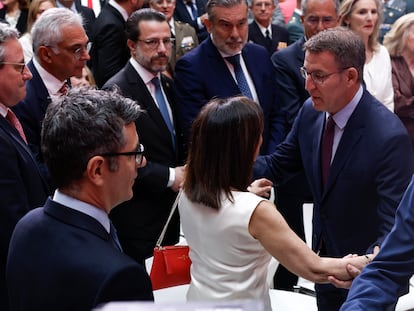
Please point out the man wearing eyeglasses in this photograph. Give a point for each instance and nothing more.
(21, 185)
(355, 153)
(140, 220)
(317, 15)
(60, 48)
(66, 255)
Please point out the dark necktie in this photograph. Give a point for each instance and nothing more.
(193, 9)
(326, 148)
(268, 40)
(162, 105)
(64, 89)
(11, 117)
(241, 79)
(114, 237)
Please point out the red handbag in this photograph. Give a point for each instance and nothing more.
(171, 264)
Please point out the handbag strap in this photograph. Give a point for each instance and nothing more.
(164, 230)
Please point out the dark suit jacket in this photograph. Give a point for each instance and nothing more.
(109, 52)
(31, 112)
(140, 220)
(387, 277)
(73, 263)
(181, 14)
(289, 83)
(203, 74)
(279, 35)
(22, 189)
(21, 25)
(88, 18)
(372, 167)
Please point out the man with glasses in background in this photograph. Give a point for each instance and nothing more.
(317, 15)
(139, 221)
(60, 47)
(21, 185)
(354, 152)
(66, 255)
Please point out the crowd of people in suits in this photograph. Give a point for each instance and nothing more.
(74, 140)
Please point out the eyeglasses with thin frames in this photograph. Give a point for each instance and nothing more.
(139, 154)
(160, 3)
(315, 20)
(155, 43)
(18, 66)
(317, 76)
(77, 52)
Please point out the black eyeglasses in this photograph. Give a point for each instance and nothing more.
(139, 154)
(18, 66)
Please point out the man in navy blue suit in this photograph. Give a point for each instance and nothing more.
(357, 168)
(387, 277)
(21, 185)
(317, 15)
(207, 72)
(66, 255)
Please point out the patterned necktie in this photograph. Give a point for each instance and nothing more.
(241, 79)
(64, 89)
(11, 117)
(326, 148)
(162, 105)
(114, 237)
(193, 9)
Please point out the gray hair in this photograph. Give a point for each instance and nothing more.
(305, 6)
(211, 4)
(85, 123)
(396, 39)
(47, 30)
(6, 33)
(346, 46)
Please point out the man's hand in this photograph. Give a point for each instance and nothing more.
(179, 178)
(261, 187)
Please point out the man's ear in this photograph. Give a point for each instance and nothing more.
(44, 53)
(96, 169)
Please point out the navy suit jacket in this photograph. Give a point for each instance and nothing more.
(387, 277)
(289, 83)
(371, 169)
(21, 189)
(73, 263)
(279, 34)
(109, 52)
(181, 14)
(139, 221)
(202, 74)
(31, 112)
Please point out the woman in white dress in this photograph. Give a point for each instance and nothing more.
(232, 233)
(364, 17)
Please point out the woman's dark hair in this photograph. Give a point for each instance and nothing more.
(224, 139)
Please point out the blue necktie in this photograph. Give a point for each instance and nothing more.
(241, 79)
(193, 9)
(162, 105)
(114, 237)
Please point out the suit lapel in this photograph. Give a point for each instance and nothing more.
(43, 97)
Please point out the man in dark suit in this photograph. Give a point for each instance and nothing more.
(192, 12)
(58, 55)
(21, 185)
(387, 278)
(207, 72)
(87, 14)
(317, 15)
(140, 220)
(357, 167)
(109, 51)
(262, 31)
(75, 261)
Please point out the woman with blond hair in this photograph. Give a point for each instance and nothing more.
(400, 44)
(364, 17)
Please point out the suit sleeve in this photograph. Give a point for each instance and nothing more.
(387, 277)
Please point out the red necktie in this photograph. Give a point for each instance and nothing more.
(11, 117)
(64, 89)
(326, 148)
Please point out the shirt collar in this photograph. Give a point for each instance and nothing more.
(52, 84)
(145, 75)
(83, 207)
